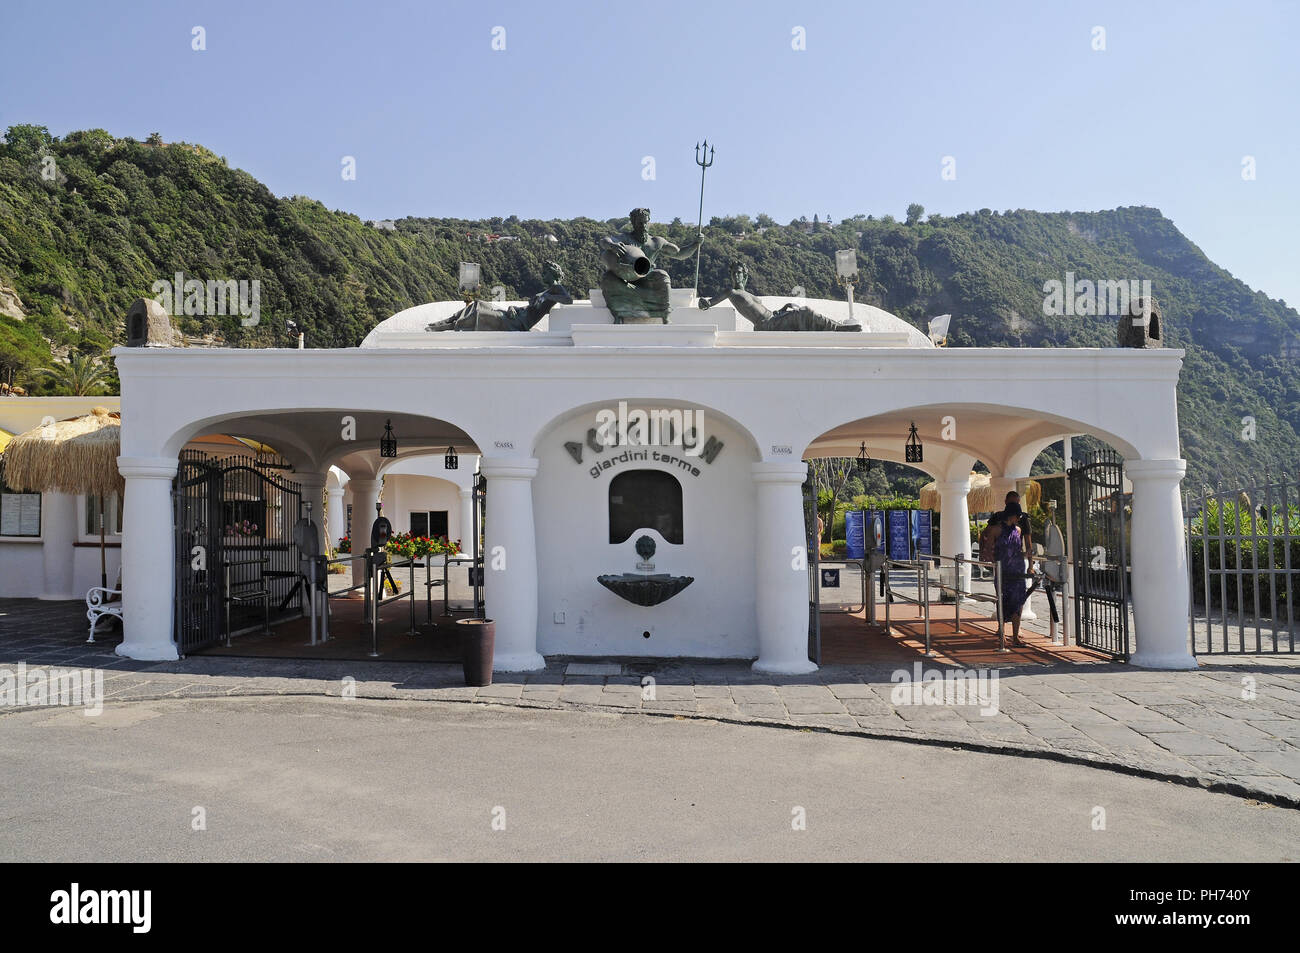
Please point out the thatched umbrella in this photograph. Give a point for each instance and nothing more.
(980, 498)
(76, 456)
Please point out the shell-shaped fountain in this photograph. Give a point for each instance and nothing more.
(645, 589)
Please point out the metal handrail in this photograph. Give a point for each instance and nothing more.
(376, 572)
(846, 561)
(228, 597)
(922, 567)
(922, 589)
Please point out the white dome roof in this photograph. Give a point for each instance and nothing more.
(871, 318)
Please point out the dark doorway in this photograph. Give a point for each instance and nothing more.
(645, 499)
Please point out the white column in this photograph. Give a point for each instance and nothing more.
(999, 487)
(365, 494)
(148, 558)
(954, 526)
(510, 563)
(1159, 558)
(781, 573)
(467, 541)
(313, 491)
(336, 520)
(58, 532)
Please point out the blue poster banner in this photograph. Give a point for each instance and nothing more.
(923, 532)
(855, 535)
(875, 530)
(900, 534)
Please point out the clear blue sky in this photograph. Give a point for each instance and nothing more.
(557, 124)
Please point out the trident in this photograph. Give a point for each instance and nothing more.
(703, 160)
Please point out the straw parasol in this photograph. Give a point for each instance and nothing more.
(77, 456)
(980, 498)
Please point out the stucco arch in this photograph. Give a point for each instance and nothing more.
(993, 433)
(314, 435)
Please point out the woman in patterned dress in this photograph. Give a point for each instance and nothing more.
(1010, 554)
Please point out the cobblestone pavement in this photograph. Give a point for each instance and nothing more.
(1233, 725)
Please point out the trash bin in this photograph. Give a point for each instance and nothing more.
(477, 642)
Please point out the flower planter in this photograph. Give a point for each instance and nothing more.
(477, 642)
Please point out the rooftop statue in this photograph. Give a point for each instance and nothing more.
(477, 316)
(636, 292)
(790, 317)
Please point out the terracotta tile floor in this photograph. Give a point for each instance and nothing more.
(846, 639)
(851, 640)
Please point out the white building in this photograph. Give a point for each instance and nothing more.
(559, 500)
(49, 542)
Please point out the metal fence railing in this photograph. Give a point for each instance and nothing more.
(1243, 549)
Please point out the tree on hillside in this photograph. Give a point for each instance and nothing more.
(81, 374)
(914, 213)
(21, 352)
(830, 476)
(25, 142)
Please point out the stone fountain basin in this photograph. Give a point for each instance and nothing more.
(645, 590)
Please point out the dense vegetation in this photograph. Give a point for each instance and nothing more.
(89, 222)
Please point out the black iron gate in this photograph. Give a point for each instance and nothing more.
(479, 499)
(196, 513)
(233, 526)
(1100, 517)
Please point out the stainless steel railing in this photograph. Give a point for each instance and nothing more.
(922, 569)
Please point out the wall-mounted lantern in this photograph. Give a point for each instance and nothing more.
(388, 443)
(913, 451)
(451, 461)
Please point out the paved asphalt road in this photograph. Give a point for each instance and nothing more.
(320, 779)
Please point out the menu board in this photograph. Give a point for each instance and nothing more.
(923, 532)
(20, 514)
(855, 535)
(900, 534)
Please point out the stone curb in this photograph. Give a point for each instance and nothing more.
(1218, 785)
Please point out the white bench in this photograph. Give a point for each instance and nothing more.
(102, 602)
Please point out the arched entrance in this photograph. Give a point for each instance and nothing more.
(623, 478)
(948, 441)
(215, 546)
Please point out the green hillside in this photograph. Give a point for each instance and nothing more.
(83, 235)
